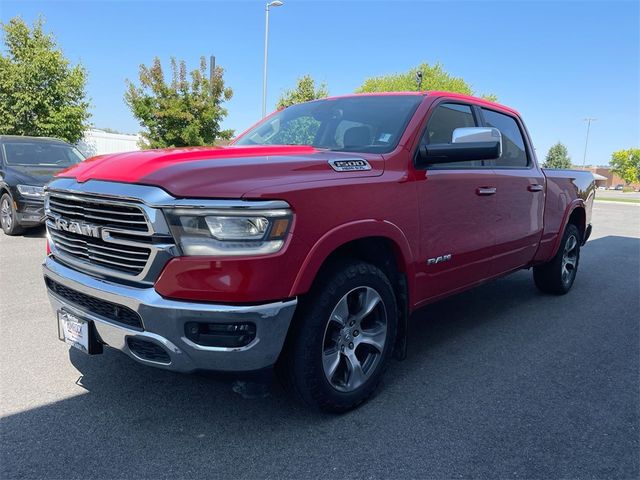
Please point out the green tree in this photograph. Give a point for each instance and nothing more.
(183, 112)
(42, 94)
(302, 130)
(304, 91)
(434, 77)
(626, 164)
(557, 157)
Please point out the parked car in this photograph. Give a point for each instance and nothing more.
(620, 187)
(308, 242)
(602, 187)
(26, 165)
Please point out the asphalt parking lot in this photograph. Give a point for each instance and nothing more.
(500, 382)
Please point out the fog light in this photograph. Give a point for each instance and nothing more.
(226, 335)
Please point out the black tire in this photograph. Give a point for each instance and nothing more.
(8, 216)
(313, 339)
(557, 276)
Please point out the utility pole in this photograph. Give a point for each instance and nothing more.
(212, 71)
(586, 142)
(275, 3)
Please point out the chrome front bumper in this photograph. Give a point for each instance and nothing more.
(164, 320)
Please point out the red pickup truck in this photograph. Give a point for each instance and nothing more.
(307, 243)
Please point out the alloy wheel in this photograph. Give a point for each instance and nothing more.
(354, 339)
(5, 214)
(569, 259)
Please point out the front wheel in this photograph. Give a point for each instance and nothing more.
(342, 338)
(558, 275)
(8, 217)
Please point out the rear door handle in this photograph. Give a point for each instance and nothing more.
(535, 187)
(484, 191)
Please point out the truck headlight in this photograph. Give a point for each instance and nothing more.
(32, 191)
(222, 233)
(237, 228)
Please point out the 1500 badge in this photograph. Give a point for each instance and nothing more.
(352, 164)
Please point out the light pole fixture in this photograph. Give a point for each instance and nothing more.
(275, 3)
(588, 120)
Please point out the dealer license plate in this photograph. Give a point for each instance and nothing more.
(73, 330)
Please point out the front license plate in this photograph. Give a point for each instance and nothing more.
(73, 330)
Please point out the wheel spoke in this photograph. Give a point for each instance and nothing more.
(330, 362)
(368, 301)
(571, 244)
(375, 338)
(356, 375)
(340, 313)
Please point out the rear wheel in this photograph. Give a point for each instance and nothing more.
(8, 218)
(342, 338)
(558, 275)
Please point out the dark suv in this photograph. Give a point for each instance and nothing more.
(26, 165)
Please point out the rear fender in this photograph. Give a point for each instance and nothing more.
(577, 203)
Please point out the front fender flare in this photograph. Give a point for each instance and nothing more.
(345, 233)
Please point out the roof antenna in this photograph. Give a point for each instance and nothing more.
(419, 79)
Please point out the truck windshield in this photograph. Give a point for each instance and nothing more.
(372, 124)
(42, 154)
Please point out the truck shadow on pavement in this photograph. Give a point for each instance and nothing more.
(499, 381)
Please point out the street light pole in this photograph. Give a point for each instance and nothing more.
(588, 120)
(275, 3)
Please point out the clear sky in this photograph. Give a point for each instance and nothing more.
(555, 62)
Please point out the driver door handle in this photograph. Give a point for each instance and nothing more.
(485, 191)
(535, 187)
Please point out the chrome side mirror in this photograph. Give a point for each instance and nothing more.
(467, 144)
(477, 134)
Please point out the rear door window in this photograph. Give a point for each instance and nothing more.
(514, 152)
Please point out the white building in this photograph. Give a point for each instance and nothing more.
(99, 142)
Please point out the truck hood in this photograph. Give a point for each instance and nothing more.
(221, 172)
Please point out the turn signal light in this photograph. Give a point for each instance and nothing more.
(279, 229)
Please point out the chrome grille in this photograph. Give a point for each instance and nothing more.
(124, 240)
(93, 250)
(98, 211)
